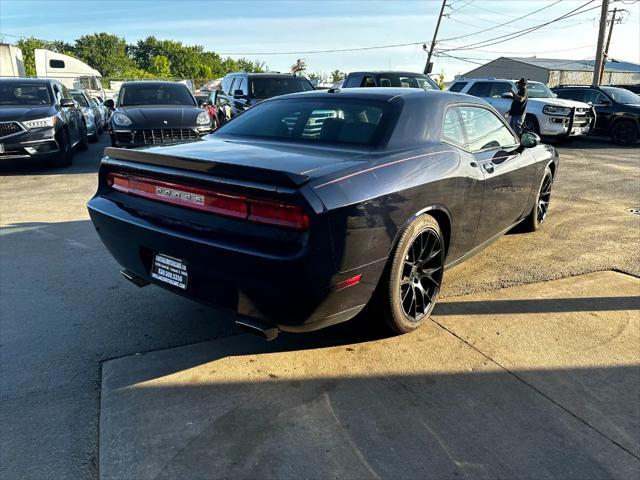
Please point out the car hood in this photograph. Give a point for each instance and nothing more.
(22, 114)
(560, 102)
(164, 116)
(246, 158)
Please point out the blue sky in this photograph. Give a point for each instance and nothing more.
(244, 27)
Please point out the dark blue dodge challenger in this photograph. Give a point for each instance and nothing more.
(308, 207)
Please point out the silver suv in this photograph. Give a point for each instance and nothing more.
(546, 114)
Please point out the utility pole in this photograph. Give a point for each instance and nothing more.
(606, 47)
(429, 66)
(597, 67)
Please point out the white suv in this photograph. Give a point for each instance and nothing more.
(546, 114)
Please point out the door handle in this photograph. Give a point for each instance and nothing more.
(488, 167)
(473, 164)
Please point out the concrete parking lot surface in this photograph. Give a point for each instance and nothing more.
(554, 397)
(65, 311)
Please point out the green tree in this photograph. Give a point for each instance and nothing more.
(160, 66)
(337, 75)
(28, 45)
(105, 52)
(441, 80)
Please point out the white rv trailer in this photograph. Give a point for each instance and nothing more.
(70, 71)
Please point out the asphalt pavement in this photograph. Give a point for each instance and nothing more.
(65, 310)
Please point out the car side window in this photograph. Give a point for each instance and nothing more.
(65, 92)
(484, 129)
(243, 86)
(498, 88)
(595, 97)
(481, 89)
(452, 131)
(571, 94)
(57, 92)
(353, 81)
(458, 86)
(226, 83)
(368, 82)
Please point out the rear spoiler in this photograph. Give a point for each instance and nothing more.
(215, 168)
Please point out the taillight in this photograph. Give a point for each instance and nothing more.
(210, 201)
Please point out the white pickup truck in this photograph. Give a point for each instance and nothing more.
(545, 115)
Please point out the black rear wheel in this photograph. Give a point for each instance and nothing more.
(530, 124)
(410, 287)
(624, 132)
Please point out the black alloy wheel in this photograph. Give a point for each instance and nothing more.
(411, 286)
(624, 132)
(530, 124)
(540, 210)
(544, 198)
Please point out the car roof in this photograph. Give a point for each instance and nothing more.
(28, 80)
(384, 94)
(152, 82)
(376, 72)
(265, 74)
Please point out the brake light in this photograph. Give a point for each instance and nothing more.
(210, 201)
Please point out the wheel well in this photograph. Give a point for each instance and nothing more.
(445, 225)
(552, 167)
(625, 119)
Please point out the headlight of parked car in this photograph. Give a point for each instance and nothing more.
(553, 110)
(121, 119)
(41, 122)
(203, 118)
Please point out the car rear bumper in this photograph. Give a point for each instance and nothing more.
(287, 291)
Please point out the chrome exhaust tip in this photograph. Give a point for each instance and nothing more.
(135, 279)
(256, 327)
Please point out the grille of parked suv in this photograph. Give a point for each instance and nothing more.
(581, 118)
(163, 135)
(9, 128)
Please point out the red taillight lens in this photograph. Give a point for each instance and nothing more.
(206, 200)
(290, 216)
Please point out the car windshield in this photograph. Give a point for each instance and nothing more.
(267, 87)
(311, 120)
(539, 90)
(621, 95)
(155, 94)
(16, 93)
(78, 97)
(403, 80)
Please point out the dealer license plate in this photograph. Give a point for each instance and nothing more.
(170, 270)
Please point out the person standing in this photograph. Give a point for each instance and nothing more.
(519, 106)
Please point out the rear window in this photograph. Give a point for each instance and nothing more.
(16, 93)
(311, 120)
(155, 94)
(267, 87)
(457, 87)
(405, 81)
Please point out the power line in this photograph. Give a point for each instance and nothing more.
(511, 36)
(501, 24)
(354, 49)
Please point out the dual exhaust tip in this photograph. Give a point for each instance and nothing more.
(253, 326)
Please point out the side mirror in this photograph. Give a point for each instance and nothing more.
(239, 94)
(507, 95)
(529, 140)
(109, 103)
(604, 103)
(67, 103)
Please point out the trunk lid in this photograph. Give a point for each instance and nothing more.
(250, 160)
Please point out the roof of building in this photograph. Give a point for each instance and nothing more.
(576, 65)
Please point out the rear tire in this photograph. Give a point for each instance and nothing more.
(409, 288)
(540, 209)
(624, 132)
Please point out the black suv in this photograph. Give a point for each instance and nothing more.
(239, 91)
(617, 110)
(39, 120)
(389, 79)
